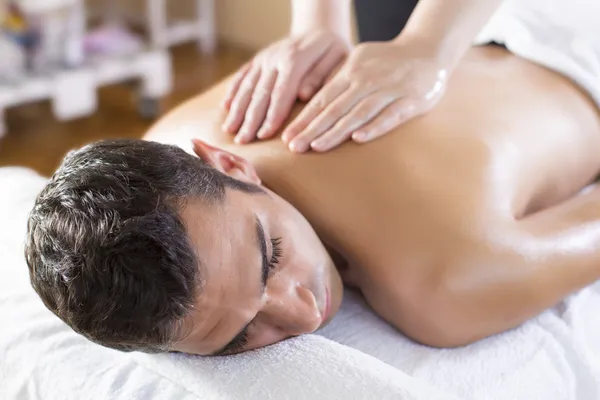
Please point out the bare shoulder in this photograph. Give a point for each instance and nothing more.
(199, 117)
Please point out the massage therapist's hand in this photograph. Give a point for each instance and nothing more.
(381, 85)
(262, 93)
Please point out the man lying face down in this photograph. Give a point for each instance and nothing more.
(454, 227)
(133, 240)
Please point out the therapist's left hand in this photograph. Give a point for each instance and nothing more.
(381, 86)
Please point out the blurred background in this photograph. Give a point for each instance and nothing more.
(75, 71)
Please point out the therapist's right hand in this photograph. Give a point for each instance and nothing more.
(262, 93)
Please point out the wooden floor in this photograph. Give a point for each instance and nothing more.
(37, 140)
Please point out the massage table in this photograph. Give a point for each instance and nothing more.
(555, 356)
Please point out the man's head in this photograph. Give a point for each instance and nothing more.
(141, 246)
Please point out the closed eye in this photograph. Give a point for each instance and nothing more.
(241, 340)
(276, 254)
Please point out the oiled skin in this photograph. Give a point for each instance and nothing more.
(460, 224)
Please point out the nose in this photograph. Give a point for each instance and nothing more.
(293, 311)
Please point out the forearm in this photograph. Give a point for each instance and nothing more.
(565, 244)
(334, 15)
(545, 258)
(448, 27)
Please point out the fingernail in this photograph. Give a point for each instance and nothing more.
(242, 136)
(359, 136)
(286, 136)
(227, 126)
(263, 131)
(318, 146)
(295, 146)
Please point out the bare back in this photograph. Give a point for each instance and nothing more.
(508, 138)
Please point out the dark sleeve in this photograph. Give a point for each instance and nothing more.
(380, 20)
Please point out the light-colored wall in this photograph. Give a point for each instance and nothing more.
(252, 23)
(255, 23)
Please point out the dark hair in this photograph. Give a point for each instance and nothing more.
(106, 248)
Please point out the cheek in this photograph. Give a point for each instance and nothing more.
(301, 267)
(306, 241)
(303, 251)
(306, 256)
(310, 256)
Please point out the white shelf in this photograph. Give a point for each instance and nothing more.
(73, 91)
(150, 64)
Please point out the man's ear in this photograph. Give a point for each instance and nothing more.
(226, 162)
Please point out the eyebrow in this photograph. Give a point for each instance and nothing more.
(261, 240)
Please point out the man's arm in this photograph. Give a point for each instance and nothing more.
(448, 27)
(528, 267)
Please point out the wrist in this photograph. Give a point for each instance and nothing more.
(322, 15)
(446, 55)
(446, 28)
(305, 29)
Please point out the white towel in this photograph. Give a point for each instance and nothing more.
(554, 356)
(560, 35)
(41, 358)
(358, 356)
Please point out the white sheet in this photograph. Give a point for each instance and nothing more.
(555, 356)
(41, 358)
(563, 36)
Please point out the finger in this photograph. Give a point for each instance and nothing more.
(234, 85)
(327, 119)
(257, 109)
(319, 103)
(290, 72)
(363, 112)
(283, 98)
(316, 77)
(239, 105)
(394, 115)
